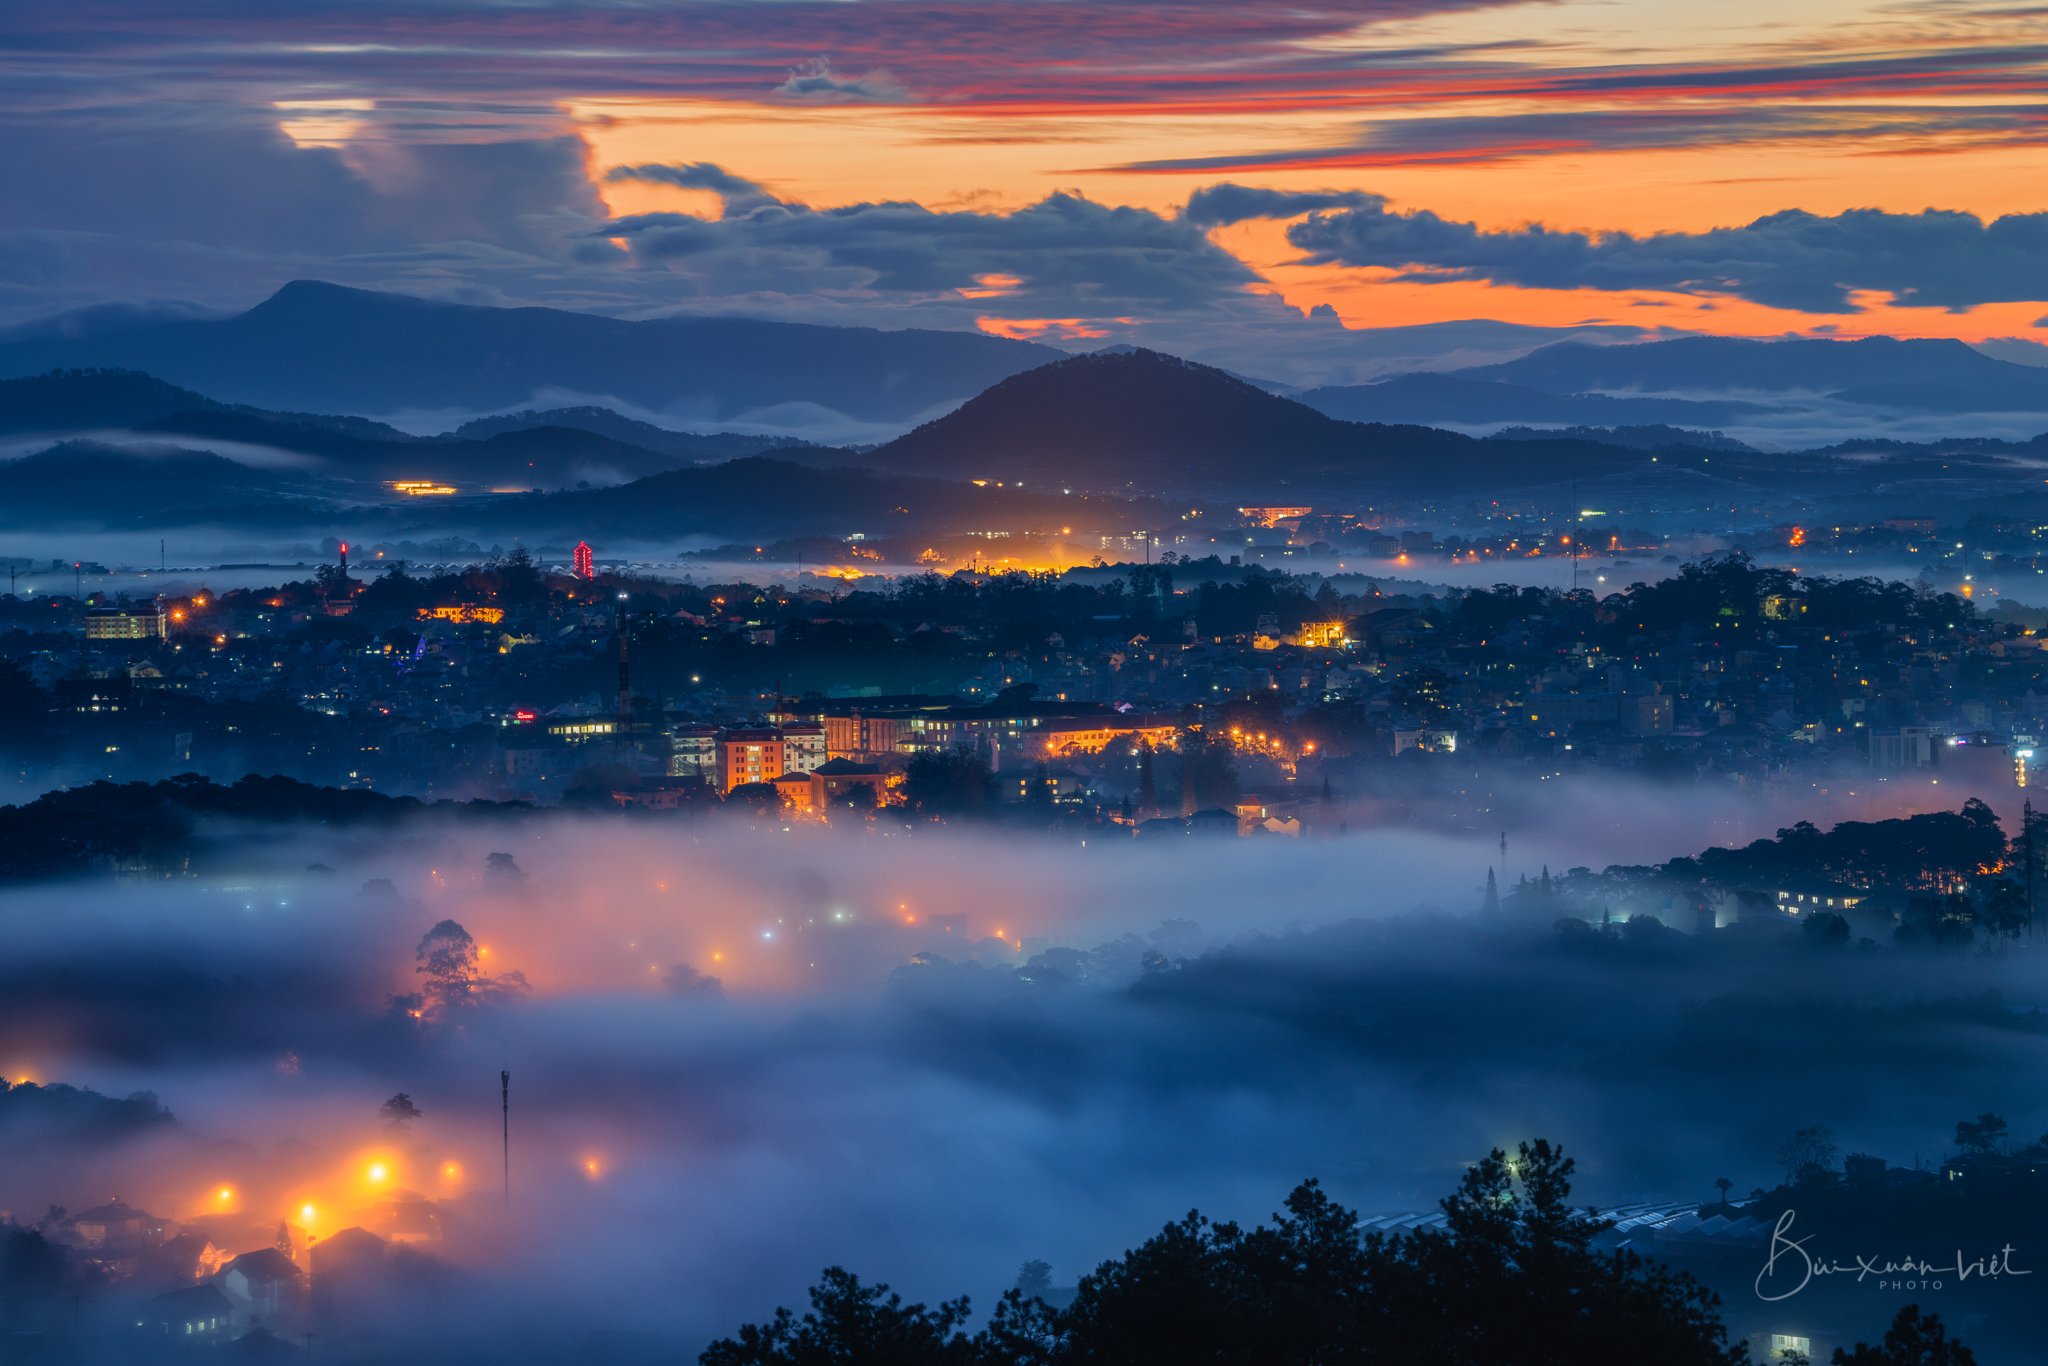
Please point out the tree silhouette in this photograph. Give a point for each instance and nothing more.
(399, 1111)
(1512, 1279)
(1913, 1339)
(1982, 1136)
(1808, 1155)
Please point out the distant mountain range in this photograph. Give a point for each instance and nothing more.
(1085, 438)
(1434, 399)
(529, 449)
(314, 348)
(1935, 374)
(324, 347)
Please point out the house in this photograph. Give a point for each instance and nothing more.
(260, 1344)
(116, 1226)
(262, 1282)
(198, 1313)
(833, 780)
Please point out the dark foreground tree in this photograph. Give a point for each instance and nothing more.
(1511, 1279)
(1914, 1339)
(851, 1324)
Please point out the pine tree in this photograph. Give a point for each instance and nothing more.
(1491, 906)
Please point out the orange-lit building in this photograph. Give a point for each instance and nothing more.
(750, 755)
(1093, 734)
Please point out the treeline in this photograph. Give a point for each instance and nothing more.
(1515, 1276)
(1949, 876)
(155, 826)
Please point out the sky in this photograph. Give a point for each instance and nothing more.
(1231, 181)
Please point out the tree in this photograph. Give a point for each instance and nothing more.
(1723, 1185)
(1982, 1136)
(949, 785)
(851, 1324)
(399, 1111)
(1824, 929)
(447, 958)
(451, 965)
(1808, 1155)
(1514, 1279)
(503, 868)
(1913, 1339)
(1034, 1279)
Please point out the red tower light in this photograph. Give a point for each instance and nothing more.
(586, 567)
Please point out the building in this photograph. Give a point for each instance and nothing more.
(749, 755)
(197, 1313)
(804, 747)
(116, 1225)
(584, 563)
(834, 781)
(120, 623)
(264, 1282)
(693, 752)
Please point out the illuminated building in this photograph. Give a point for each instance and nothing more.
(577, 728)
(803, 747)
(421, 488)
(797, 792)
(832, 781)
(1272, 516)
(1092, 735)
(752, 755)
(117, 623)
(463, 613)
(584, 564)
(693, 752)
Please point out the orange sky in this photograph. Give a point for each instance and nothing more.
(1591, 116)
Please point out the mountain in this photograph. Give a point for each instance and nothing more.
(1936, 374)
(325, 347)
(90, 400)
(1139, 417)
(527, 450)
(1434, 399)
(695, 446)
(84, 484)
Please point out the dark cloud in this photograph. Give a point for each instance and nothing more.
(1479, 139)
(1220, 205)
(738, 194)
(1065, 256)
(1794, 260)
(816, 83)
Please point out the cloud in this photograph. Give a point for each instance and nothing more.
(1795, 260)
(1480, 139)
(1065, 256)
(816, 83)
(738, 194)
(1220, 205)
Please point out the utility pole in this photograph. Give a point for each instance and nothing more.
(505, 1107)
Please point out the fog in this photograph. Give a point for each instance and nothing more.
(930, 1054)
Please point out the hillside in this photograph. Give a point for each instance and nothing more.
(694, 446)
(1139, 417)
(84, 484)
